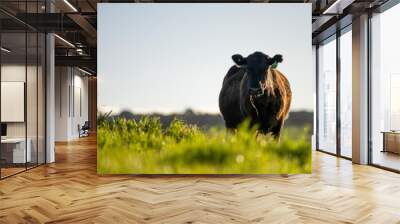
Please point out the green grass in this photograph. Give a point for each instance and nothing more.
(145, 147)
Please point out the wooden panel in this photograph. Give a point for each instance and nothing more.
(392, 142)
(92, 101)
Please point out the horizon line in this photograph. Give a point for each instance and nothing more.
(182, 111)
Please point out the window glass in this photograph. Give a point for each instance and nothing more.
(346, 94)
(22, 90)
(327, 96)
(385, 89)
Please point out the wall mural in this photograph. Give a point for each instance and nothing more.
(204, 88)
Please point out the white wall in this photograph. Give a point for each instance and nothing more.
(80, 110)
(12, 73)
(62, 82)
(71, 93)
(33, 126)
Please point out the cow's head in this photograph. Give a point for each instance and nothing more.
(257, 65)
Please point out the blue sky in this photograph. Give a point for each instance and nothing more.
(169, 57)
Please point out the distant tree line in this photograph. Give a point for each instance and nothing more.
(207, 120)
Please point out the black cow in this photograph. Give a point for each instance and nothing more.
(254, 89)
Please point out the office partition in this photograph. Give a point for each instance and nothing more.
(22, 77)
(15, 152)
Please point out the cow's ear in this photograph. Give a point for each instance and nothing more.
(239, 59)
(277, 58)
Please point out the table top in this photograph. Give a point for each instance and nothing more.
(13, 140)
(391, 132)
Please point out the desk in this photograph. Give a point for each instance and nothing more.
(391, 141)
(13, 150)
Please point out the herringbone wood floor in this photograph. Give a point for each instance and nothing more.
(70, 191)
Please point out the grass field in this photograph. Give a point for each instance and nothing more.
(145, 147)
